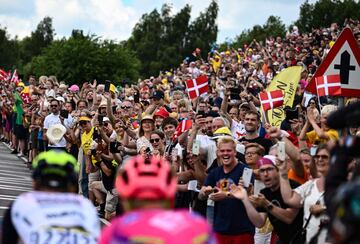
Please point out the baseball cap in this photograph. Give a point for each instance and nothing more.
(158, 94)
(74, 88)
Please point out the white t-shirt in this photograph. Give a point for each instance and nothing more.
(48, 217)
(237, 129)
(53, 119)
(209, 146)
(310, 194)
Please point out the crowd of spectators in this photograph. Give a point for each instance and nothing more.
(221, 135)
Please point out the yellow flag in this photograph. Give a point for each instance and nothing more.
(287, 81)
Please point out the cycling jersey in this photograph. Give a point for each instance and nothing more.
(158, 226)
(47, 217)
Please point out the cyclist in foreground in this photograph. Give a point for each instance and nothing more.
(53, 212)
(147, 188)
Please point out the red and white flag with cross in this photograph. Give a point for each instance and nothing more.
(272, 99)
(328, 85)
(198, 86)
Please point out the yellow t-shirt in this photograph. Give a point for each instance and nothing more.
(86, 140)
(314, 138)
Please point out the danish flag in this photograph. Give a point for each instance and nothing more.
(184, 126)
(3, 75)
(328, 85)
(272, 99)
(15, 77)
(198, 86)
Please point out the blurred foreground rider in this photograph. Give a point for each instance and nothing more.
(53, 212)
(147, 189)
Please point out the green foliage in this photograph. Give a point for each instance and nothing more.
(83, 58)
(9, 50)
(325, 12)
(273, 27)
(42, 37)
(161, 41)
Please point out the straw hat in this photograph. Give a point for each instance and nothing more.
(55, 133)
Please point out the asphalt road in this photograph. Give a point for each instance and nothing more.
(15, 178)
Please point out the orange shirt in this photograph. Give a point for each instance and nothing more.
(300, 180)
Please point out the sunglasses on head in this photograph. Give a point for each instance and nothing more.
(154, 140)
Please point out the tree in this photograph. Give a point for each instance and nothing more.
(272, 27)
(203, 31)
(84, 58)
(161, 40)
(325, 12)
(38, 40)
(304, 23)
(9, 50)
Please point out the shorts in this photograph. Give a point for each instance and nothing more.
(34, 139)
(95, 176)
(20, 132)
(112, 198)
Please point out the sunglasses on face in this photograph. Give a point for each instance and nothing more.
(53, 105)
(321, 156)
(125, 107)
(106, 124)
(154, 140)
(83, 122)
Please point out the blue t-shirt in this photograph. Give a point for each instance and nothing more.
(230, 216)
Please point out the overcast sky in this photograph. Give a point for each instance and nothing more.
(115, 19)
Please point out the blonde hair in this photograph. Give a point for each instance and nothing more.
(328, 109)
(226, 139)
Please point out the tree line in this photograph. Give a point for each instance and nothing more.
(159, 41)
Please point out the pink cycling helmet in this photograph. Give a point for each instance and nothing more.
(147, 179)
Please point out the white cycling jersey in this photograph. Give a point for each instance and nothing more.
(45, 217)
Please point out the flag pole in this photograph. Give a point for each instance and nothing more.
(317, 93)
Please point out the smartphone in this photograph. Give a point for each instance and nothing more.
(196, 148)
(201, 113)
(95, 135)
(100, 119)
(281, 150)
(114, 109)
(235, 93)
(136, 97)
(291, 114)
(64, 113)
(114, 147)
(107, 86)
(247, 175)
(313, 150)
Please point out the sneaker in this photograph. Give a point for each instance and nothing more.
(20, 155)
(14, 151)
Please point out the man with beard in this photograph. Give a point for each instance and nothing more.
(252, 124)
(285, 220)
(51, 120)
(231, 222)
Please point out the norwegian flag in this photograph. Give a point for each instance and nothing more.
(270, 100)
(198, 86)
(15, 77)
(184, 126)
(328, 85)
(3, 75)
